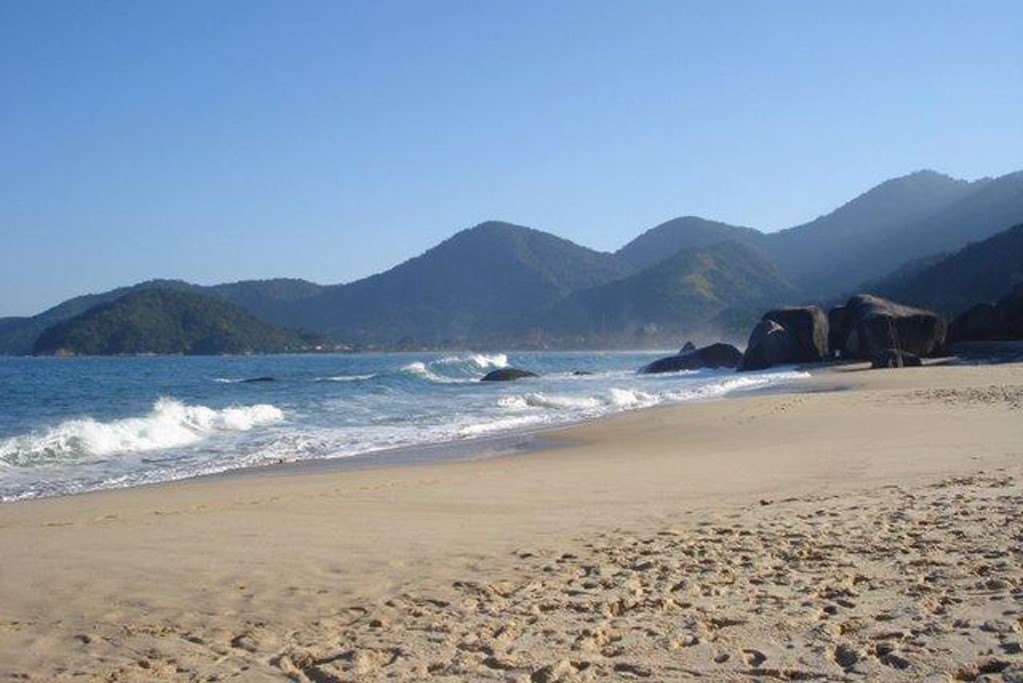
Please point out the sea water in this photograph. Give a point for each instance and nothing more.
(69, 425)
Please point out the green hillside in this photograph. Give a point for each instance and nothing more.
(687, 294)
(164, 321)
(667, 239)
(981, 272)
(491, 280)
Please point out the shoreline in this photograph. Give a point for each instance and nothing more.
(410, 573)
(515, 441)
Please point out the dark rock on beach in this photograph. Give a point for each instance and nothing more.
(1011, 308)
(769, 344)
(836, 330)
(687, 348)
(784, 336)
(893, 358)
(991, 322)
(982, 322)
(507, 375)
(874, 325)
(809, 326)
(713, 356)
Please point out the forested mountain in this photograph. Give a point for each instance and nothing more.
(836, 252)
(267, 299)
(499, 283)
(688, 294)
(981, 272)
(19, 338)
(663, 241)
(493, 279)
(166, 321)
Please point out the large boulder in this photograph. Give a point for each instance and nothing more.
(713, 356)
(982, 322)
(893, 358)
(1011, 309)
(769, 344)
(809, 326)
(875, 325)
(507, 375)
(837, 331)
(990, 322)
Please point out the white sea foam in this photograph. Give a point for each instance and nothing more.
(170, 424)
(614, 399)
(632, 398)
(500, 425)
(179, 439)
(549, 401)
(345, 378)
(481, 361)
(456, 369)
(422, 370)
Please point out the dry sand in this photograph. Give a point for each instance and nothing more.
(872, 533)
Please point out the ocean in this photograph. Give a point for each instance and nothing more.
(70, 425)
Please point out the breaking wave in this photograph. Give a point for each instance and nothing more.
(456, 369)
(170, 424)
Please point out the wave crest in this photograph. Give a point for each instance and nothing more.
(171, 423)
(456, 369)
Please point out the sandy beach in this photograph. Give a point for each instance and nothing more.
(866, 529)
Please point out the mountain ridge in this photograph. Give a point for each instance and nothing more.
(980, 272)
(498, 283)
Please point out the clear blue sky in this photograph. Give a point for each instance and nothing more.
(217, 141)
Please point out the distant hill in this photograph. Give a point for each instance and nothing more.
(18, 339)
(491, 280)
(836, 252)
(267, 299)
(981, 272)
(508, 285)
(165, 321)
(687, 294)
(993, 207)
(665, 240)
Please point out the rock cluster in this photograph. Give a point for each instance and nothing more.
(867, 327)
(713, 356)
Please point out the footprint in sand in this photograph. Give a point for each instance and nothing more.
(846, 656)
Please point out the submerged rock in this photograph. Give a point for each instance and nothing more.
(713, 356)
(507, 375)
(266, 378)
